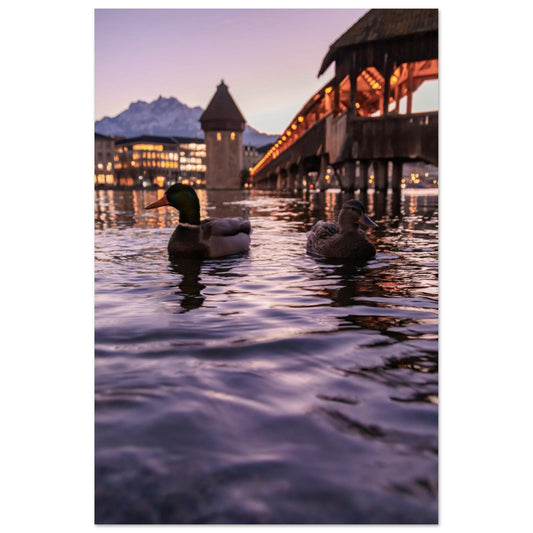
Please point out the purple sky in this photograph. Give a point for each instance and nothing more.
(269, 58)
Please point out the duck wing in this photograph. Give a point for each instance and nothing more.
(325, 230)
(320, 236)
(225, 236)
(225, 227)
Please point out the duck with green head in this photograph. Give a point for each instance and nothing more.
(217, 237)
(345, 240)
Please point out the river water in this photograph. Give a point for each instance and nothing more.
(270, 387)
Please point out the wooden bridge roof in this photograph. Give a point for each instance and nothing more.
(380, 25)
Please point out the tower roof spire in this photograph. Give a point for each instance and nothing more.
(222, 112)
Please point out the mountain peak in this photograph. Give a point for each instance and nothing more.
(166, 116)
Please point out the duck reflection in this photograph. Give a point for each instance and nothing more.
(354, 285)
(350, 281)
(190, 288)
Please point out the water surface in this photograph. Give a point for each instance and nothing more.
(270, 387)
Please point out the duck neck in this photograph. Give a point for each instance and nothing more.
(189, 214)
(349, 228)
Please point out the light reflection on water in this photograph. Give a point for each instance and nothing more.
(269, 387)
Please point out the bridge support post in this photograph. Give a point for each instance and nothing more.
(381, 177)
(349, 176)
(282, 180)
(361, 182)
(321, 180)
(300, 178)
(292, 178)
(338, 174)
(396, 175)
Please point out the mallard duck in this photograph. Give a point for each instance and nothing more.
(345, 239)
(217, 237)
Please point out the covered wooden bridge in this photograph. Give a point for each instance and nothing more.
(364, 114)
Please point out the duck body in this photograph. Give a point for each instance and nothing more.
(211, 238)
(345, 240)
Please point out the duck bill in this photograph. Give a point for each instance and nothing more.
(369, 222)
(158, 203)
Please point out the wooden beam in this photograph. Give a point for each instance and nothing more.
(409, 89)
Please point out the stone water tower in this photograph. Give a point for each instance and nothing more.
(223, 125)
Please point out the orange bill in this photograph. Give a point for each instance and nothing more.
(158, 203)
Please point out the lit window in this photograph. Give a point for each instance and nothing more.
(219, 136)
(232, 135)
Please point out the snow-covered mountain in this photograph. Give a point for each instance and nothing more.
(167, 116)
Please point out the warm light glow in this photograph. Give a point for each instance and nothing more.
(328, 90)
(219, 136)
(283, 137)
(300, 119)
(232, 136)
(370, 80)
(157, 147)
(160, 180)
(293, 126)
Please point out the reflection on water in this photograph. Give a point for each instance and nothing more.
(268, 387)
(189, 287)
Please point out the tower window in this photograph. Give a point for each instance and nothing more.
(232, 135)
(219, 136)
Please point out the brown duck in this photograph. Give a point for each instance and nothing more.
(345, 240)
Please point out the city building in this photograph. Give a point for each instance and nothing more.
(192, 167)
(149, 160)
(104, 150)
(250, 156)
(223, 125)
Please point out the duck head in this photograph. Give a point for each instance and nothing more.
(353, 214)
(184, 199)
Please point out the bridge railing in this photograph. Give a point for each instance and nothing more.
(394, 136)
(303, 146)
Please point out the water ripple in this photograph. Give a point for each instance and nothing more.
(269, 387)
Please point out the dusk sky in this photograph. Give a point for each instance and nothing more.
(269, 58)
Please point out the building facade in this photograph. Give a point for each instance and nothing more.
(223, 125)
(104, 151)
(250, 156)
(148, 161)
